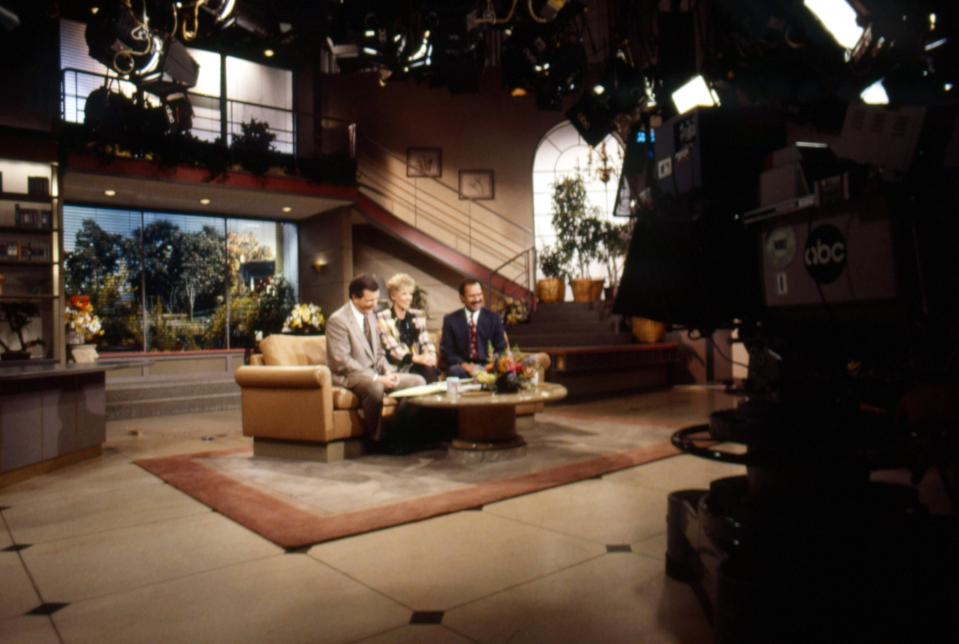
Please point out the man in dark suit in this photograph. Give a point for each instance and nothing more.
(467, 331)
(357, 359)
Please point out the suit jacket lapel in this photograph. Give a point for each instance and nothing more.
(358, 333)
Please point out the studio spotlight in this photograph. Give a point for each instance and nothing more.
(839, 19)
(694, 93)
(875, 94)
(8, 19)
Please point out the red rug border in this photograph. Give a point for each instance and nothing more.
(290, 527)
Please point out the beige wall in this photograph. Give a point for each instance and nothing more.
(378, 254)
(326, 236)
(489, 130)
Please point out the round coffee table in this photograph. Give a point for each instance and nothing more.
(487, 420)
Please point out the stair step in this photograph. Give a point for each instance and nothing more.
(573, 340)
(570, 316)
(173, 405)
(536, 327)
(179, 388)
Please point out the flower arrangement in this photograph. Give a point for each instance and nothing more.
(507, 372)
(514, 311)
(83, 325)
(305, 319)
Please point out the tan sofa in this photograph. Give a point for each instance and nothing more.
(289, 401)
(292, 409)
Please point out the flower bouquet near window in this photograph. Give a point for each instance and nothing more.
(507, 372)
(83, 326)
(305, 319)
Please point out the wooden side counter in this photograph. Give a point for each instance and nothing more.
(50, 416)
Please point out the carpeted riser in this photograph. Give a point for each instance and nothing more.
(153, 390)
(172, 406)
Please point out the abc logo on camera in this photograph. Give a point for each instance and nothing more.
(825, 254)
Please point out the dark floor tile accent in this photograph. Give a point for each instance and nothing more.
(47, 608)
(17, 547)
(427, 617)
(4, 507)
(478, 508)
(297, 550)
(618, 547)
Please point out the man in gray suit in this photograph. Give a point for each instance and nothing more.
(357, 358)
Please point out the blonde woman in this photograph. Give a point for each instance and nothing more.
(403, 331)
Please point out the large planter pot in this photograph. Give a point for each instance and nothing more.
(582, 290)
(648, 331)
(551, 290)
(596, 290)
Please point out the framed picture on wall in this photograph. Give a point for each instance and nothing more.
(424, 162)
(476, 184)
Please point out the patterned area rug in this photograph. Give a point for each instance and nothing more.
(299, 503)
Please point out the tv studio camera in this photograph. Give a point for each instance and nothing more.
(836, 264)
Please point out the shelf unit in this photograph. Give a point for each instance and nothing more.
(30, 255)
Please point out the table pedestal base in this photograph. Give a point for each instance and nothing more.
(487, 427)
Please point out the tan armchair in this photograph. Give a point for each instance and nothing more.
(290, 406)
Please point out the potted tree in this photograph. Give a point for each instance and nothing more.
(578, 235)
(613, 241)
(18, 315)
(552, 262)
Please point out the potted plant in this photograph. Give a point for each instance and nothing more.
(552, 263)
(613, 242)
(18, 315)
(578, 234)
(253, 148)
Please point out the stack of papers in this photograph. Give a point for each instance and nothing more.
(432, 388)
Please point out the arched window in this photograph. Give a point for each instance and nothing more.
(562, 153)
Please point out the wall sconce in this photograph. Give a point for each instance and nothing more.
(319, 264)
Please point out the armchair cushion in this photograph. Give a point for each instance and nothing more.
(294, 350)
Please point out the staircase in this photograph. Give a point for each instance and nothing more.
(137, 398)
(589, 354)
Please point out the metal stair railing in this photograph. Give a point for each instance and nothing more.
(435, 208)
(519, 269)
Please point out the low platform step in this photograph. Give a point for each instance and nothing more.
(132, 390)
(594, 370)
(171, 406)
(569, 340)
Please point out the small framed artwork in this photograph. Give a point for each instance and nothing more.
(424, 162)
(476, 184)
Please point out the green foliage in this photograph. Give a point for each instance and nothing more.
(553, 261)
(265, 309)
(578, 231)
(614, 239)
(97, 254)
(162, 333)
(252, 148)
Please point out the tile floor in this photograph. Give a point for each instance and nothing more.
(104, 552)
